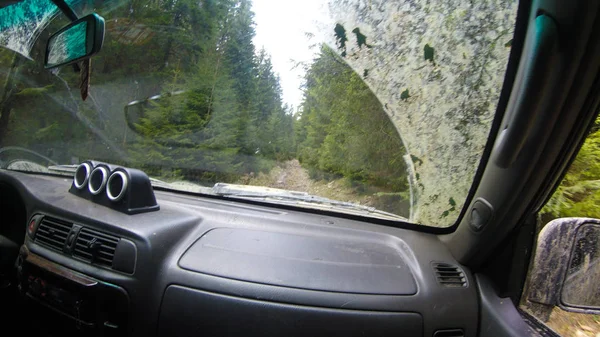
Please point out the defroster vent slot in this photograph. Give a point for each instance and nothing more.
(449, 275)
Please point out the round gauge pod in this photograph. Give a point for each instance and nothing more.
(97, 180)
(119, 188)
(116, 187)
(82, 175)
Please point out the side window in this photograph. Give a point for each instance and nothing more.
(577, 196)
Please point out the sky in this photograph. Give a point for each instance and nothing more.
(281, 27)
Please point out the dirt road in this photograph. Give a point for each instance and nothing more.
(290, 175)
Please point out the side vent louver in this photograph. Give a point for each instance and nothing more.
(449, 276)
(95, 247)
(449, 333)
(52, 233)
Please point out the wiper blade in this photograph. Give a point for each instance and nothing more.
(296, 197)
(68, 169)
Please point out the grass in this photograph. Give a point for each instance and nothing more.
(572, 324)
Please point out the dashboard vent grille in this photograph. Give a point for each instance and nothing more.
(450, 276)
(96, 247)
(53, 233)
(449, 333)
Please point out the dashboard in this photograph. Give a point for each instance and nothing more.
(195, 265)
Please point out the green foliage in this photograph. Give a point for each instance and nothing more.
(428, 53)
(416, 160)
(361, 39)
(340, 38)
(452, 208)
(230, 120)
(220, 115)
(579, 193)
(404, 95)
(344, 131)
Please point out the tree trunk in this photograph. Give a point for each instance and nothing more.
(8, 97)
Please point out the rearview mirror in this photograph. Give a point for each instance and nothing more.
(77, 41)
(565, 271)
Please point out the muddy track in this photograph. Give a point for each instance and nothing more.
(293, 177)
(290, 175)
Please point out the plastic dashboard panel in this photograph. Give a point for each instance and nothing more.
(350, 264)
(226, 268)
(244, 317)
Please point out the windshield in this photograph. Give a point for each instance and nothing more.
(375, 108)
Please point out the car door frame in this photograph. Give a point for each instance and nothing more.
(500, 250)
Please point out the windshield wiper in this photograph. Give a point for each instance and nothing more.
(296, 197)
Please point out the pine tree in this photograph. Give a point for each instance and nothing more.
(579, 193)
(343, 129)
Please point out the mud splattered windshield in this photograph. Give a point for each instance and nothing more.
(376, 108)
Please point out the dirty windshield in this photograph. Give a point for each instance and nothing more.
(376, 108)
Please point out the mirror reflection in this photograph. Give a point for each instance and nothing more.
(581, 287)
(69, 45)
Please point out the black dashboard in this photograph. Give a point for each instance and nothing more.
(204, 266)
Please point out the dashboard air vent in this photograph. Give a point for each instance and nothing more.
(449, 275)
(53, 233)
(449, 333)
(95, 247)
